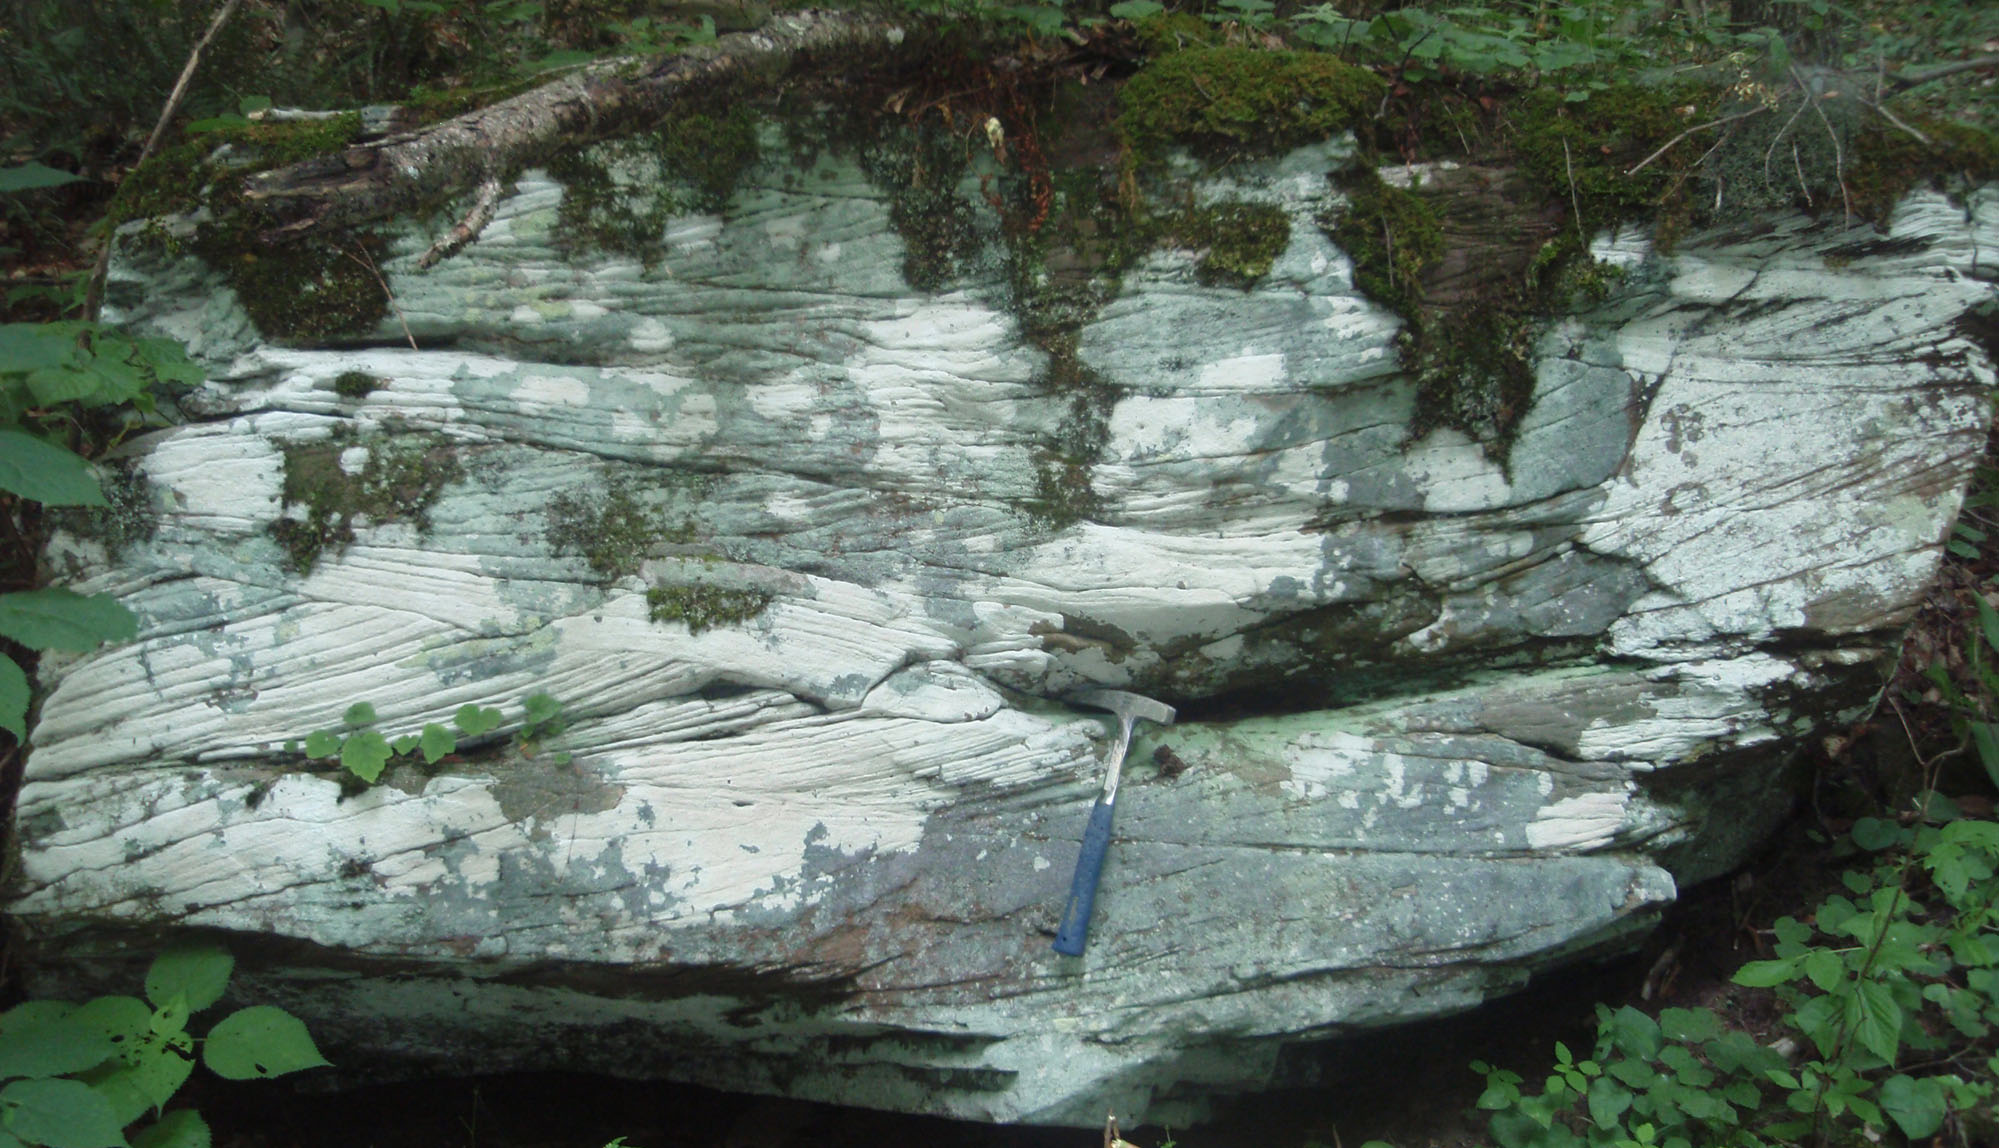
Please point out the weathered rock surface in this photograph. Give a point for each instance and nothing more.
(1451, 714)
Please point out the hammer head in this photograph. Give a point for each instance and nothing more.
(1125, 704)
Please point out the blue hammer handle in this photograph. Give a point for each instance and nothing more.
(1075, 930)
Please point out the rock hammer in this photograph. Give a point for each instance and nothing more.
(1129, 707)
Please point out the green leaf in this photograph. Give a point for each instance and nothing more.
(541, 708)
(45, 473)
(1766, 974)
(1876, 833)
(58, 619)
(147, 1076)
(59, 1114)
(436, 742)
(474, 721)
(47, 1042)
(1634, 1033)
(1988, 621)
(1607, 1101)
(181, 1128)
(364, 755)
(359, 714)
(13, 698)
(170, 1017)
(197, 971)
(322, 743)
(125, 1020)
(32, 176)
(1825, 968)
(1876, 1020)
(406, 744)
(1689, 1024)
(1916, 1106)
(1136, 9)
(257, 1042)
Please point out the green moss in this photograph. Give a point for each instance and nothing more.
(1392, 235)
(398, 483)
(130, 514)
(704, 607)
(918, 167)
(1233, 102)
(1888, 162)
(305, 291)
(1238, 240)
(1581, 155)
(355, 384)
(614, 530)
(619, 195)
(174, 179)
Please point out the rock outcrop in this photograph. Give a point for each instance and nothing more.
(810, 556)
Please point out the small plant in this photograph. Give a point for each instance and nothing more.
(79, 1075)
(1907, 964)
(365, 753)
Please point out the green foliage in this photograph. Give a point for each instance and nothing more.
(80, 1075)
(57, 379)
(365, 753)
(1892, 989)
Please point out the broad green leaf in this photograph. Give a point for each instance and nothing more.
(1876, 1020)
(13, 698)
(169, 362)
(1691, 1025)
(62, 384)
(259, 1041)
(322, 743)
(31, 176)
(197, 972)
(1876, 833)
(359, 714)
(436, 742)
(145, 1080)
(28, 346)
(1825, 968)
(1136, 9)
(1608, 1100)
(181, 1128)
(60, 1114)
(58, 619)
(45, 473)
(1766, 974)
(474, 720)
(406, 744)
(123, 1020)
(46, 1043)
(541, 708)
(170, 1017)
(1635, 1033)
(364, 755)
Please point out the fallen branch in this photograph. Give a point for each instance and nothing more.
(1668, 145)
(376, 180)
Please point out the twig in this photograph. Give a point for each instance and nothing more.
(93, 296)
(1668, 145)
(1575, 205)
(467, 229)
(1905, 80)
(1804, 98)
(1891, 117)
(1838, 153)
(365, 260)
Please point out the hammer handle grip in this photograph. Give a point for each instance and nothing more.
(1075, 930)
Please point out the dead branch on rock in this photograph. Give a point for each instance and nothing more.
(375, 180)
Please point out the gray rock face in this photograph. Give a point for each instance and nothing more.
(810, 557)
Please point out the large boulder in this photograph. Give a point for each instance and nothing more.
(811, 557)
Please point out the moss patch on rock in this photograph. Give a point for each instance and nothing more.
(1232, 102)
(619, 195)
(323, 500)
(1238, 240)
(614, 529)
(701, 607)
